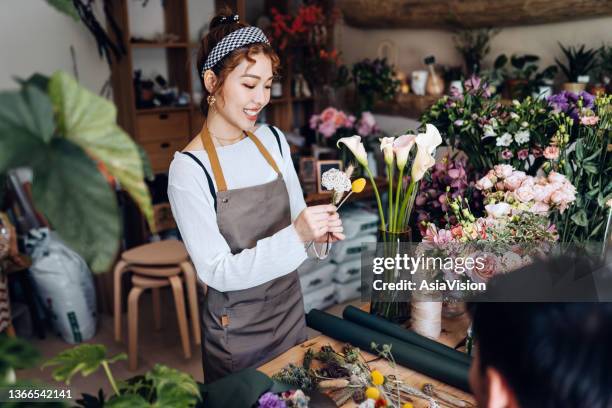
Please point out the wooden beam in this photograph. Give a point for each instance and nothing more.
(453, 14)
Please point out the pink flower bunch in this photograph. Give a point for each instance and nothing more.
(366, 125)
(330, 120)
(505, 185)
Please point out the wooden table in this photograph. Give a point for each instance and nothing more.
(453, 331)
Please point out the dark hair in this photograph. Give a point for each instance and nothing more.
(551, 354)
(221, 25)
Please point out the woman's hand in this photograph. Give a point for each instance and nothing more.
(315, 222)
(335, 230)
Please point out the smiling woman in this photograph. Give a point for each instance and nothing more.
(240, 209)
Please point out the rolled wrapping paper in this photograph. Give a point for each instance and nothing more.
(358, 316)
(417, 358)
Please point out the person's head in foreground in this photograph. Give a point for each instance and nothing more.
(541, 355)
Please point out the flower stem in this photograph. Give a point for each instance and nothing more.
(377, 195)
(390, 169)
(400, 185)
(402, 213)
(111, 379)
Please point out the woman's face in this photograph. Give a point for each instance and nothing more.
(246, 91)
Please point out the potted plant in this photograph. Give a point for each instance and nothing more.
(580, 62)
(70, 138)
(525, 79)
(374, 80)
(474, 45)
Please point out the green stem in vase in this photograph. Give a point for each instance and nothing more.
(402, 212)
(390, 198)
(400, 186)
(377, 195)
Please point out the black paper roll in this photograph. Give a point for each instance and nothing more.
(417, 358)
(358, 316)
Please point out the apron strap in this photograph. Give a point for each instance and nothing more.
(280, 148)
(211, 186)
(264, 152)
(213, 158)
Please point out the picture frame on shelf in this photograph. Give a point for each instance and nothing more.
(322, 167)
(308, 171)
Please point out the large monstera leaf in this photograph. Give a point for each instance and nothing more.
(67, 187)
(90, 121)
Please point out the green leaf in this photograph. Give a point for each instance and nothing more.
(38, 80)
(90, 121)
(580, 218)
(590, 168)
(79, 203)
(21, 132)
(66, 7)
(85, 359)
(173, 387)
(579, 150)
(15, 353)
(127, 401)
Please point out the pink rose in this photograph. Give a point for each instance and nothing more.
(551, 152)
(540, 208)
(503, 170)
(340, 119)
(485, 269)
(555, 177)
(589, 120)
(562, 198)
(327, 129)
(484, 183)
(523, 154)
(514, 180)
(542, 193)
(507, 154)
(524, 193)
(328, 114)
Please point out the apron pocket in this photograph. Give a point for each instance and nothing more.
(258, 331)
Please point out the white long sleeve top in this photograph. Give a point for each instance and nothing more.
(193, 209)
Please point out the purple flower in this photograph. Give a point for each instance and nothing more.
(476, 86)
(559, 102)
(458, 122)
(270, 400)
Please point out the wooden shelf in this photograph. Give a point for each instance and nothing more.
(367, 193)
(162, 109)
(408, 105)
(159, 45)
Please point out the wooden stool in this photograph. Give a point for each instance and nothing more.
(160, 259)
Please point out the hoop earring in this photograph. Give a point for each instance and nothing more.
(211, 100)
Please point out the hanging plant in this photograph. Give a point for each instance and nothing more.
(83, 10)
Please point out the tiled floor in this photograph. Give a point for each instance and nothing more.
(154, 347)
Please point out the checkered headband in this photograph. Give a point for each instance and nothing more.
(236, 39)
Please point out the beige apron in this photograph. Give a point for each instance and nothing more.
(246, 328)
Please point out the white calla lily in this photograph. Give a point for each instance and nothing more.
(402, 146)
(426, 147)
(356, 147)
(386, 145)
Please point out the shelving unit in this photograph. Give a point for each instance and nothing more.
(161, 130)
